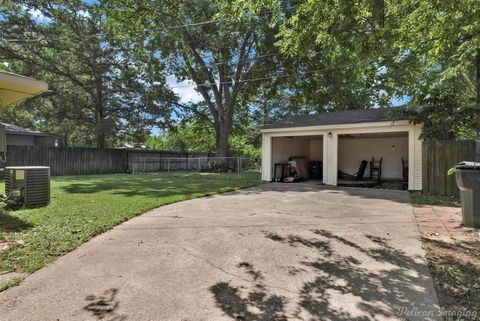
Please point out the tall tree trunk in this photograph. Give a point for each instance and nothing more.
(100, 130)
(265, 112)
(222, 132)
(99, 114)
(477, 145)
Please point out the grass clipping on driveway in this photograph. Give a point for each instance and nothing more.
(84, 206)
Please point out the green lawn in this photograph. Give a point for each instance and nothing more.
(84, 206)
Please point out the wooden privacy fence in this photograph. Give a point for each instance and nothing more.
(79, 161)
(437, 158)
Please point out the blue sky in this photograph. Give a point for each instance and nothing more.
(398, 101)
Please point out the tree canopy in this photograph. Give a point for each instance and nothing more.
(102, 90)
(220, 55)
(250, 61)
(425, 51)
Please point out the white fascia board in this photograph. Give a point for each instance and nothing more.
(385, 125)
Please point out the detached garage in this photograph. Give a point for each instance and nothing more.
(355, 146)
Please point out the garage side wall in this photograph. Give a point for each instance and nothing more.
(283, 148)
(351, 151)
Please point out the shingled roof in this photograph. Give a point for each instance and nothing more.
(334, 118)
(17, 130)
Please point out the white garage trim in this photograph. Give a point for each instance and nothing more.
(336, 126)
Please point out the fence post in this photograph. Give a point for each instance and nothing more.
(238, 168)
(168, 165)
(128, 161)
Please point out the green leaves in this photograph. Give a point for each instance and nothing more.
(413, 48)
(198, 136)
(102, 93)
(203, 42)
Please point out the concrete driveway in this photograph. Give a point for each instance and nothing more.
(275, 252)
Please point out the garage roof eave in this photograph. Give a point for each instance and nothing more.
(346, 117)
(335, 126)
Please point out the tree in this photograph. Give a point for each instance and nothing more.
(199, 137)
(335, 47)
(219, 54)
(443, 39)
(98, 81)
(426, 50)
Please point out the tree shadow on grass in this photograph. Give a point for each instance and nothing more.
(349, 282)
(153, 185)
(12, 223)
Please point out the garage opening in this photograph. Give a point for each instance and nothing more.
(297, 158)
(375, 160)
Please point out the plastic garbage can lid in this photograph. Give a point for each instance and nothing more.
(468, 165)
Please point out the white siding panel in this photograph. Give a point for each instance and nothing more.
(266, 157)
(331, 157)
(418, 159)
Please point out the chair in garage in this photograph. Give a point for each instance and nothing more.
(376, 169)
(358, 175)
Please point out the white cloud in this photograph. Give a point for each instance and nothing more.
(84, 13)
(184, 89)
(37, 15)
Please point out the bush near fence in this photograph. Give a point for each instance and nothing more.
(437, 158)
(83, 161)
(146, 163)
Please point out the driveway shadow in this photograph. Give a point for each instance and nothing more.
(105, 306)
(343, 285)
(366, 193)
(230, 300)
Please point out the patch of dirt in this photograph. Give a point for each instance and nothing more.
(4, 246)
(454, 259)
(10, 275)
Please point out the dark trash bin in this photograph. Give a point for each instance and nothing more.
(315, 169)
(468, 181)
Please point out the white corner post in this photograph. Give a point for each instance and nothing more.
(415, 158)
(330, 157)
(266, 157)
